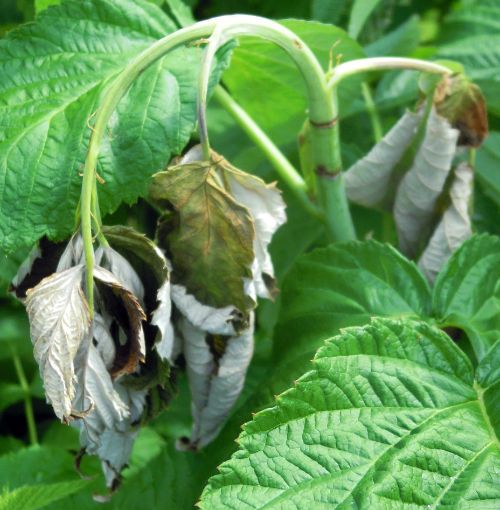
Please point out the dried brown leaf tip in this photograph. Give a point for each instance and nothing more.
(461, 102)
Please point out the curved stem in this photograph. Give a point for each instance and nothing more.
(283, 167)
(382, 63)
(311, 71)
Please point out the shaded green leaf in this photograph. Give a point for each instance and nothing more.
(467, 292)
(267, 84)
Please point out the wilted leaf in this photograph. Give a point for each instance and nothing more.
(73, 253)
(210, 240)
(368, 180)
(216, 367)
(165, 345)
(267, 209)
(41, 262)
(462, 103)
(124, 308)
(120, 267)
(59, 323)
(420, 188)
(454, 227)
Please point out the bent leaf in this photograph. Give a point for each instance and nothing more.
(216, 367)
(418, 192)
(123, 307)
(389, 416)
(267, 209)
(59, 322)
(368, 180)
(210, 241)
(467, 292)
(454, 227)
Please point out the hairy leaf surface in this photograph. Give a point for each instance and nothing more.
(390, 416)
(59, 323)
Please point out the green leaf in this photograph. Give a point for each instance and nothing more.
(41, 5)
(268, 85)
(360, 12)
(52, 76)
(400, 42)
(345, 285)
(388, 417)
(38, 496)
(488, 166)
(467, 292)
(210, 243)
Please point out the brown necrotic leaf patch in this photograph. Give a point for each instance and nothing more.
(127, 314)
(211, 240)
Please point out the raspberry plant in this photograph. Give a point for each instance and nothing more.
(106, 103)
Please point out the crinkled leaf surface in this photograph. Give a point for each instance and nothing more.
(52, 75)
(59, 322)
(420, 188)
(390, 416)
(211, 243)
(467, 292)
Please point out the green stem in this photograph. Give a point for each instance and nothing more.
(28, 404)
(382, 63)
(283, 167)
(378, 132)
(325, 141)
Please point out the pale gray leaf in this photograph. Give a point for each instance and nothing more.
(72, 254)
(368, 180)
(215, 383)
(162, 320)
(25, 269)
(454, 227)
(59, 322)
(218, 321)
(267, 209)
(414, 207)
(124, 272)
(102, 336)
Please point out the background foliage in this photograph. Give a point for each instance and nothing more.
(362, 280)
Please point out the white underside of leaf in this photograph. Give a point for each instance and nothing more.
(72, 254)
(59, 323)
(25, 267)
(367, 181)
(423, 183)
(217, 321)
(124, 272)
(267, 208)
(214, 388)
(454, 227)
(106, 345)
(162, 320)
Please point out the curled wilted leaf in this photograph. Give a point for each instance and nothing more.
(119, 303)
(59, 323)
(216, 367)
(218, 321)
(368, 180)
(454, 227)
(210, 239)
(418, 192)
(72, 254)
(161, 318)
